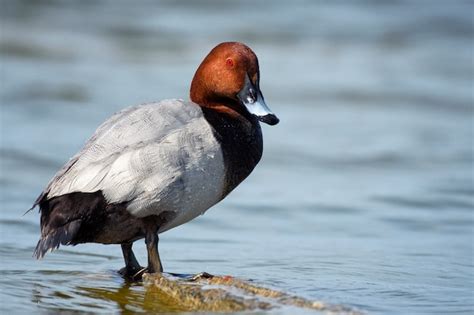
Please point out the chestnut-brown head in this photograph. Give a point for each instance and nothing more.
(229, 76)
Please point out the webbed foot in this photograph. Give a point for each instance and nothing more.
(132, 274)
(201, 275)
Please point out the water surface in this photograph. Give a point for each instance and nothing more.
(364, 196)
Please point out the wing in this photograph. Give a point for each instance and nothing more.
(138, 155)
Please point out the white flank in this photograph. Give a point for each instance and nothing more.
(158, 157)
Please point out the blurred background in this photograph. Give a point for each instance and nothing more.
(364, 196)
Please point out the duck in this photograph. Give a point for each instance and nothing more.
(152, 167)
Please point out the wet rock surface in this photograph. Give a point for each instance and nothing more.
(205, 292)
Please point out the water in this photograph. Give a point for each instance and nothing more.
(364, 195)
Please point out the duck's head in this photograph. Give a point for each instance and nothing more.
(229, 76)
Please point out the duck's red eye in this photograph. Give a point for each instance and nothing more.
(229, 62)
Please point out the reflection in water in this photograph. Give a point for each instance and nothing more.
(95, 292)
(126, 297)
(364, 196)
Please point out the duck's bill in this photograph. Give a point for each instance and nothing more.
(261, 110)
(252, 98)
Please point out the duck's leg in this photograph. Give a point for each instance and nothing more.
(132, 267)
(151, 240)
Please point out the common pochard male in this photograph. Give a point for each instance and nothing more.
(152, 167)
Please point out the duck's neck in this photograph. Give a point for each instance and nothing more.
(240, 136)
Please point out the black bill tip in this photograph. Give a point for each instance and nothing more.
(270, 119)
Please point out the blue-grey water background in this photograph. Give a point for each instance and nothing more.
(364, 196)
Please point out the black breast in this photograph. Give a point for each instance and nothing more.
(241, 141)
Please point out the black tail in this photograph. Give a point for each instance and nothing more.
(62, 235)
(62, 218)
